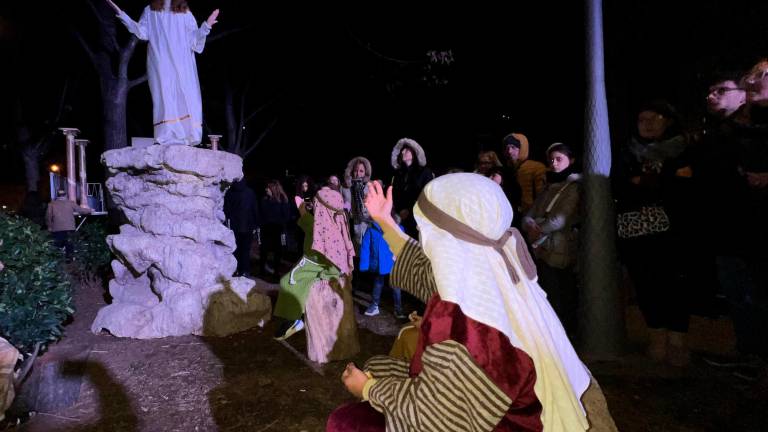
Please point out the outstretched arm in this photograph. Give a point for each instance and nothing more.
(412, 271)
(114, 6)
(139, 29)
(197, 35)
(379, 206)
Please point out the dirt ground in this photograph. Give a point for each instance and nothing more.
(250, 382)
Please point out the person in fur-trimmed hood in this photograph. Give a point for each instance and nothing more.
(355, 187)
(411, 175)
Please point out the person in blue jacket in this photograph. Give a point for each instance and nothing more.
(376, 257)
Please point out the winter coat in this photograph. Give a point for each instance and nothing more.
(408, 181)
(530, 175)
(241, 208)
(274, 213)
(375, 255)
(559, 244)
(60, 215)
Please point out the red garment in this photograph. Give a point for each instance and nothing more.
(356, 417)
(511, 369)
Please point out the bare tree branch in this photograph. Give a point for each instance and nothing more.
(368, 47)
(112, 44)
(259, 109)
(27, 366)
(85, 46)
(62, 99)
(140, 80)
(207, 128)
(260, 138)
(45, 141)
(225, 33)
(229, 116)
(126, 53)
(241, 125)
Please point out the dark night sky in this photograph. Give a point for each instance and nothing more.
(336, 99)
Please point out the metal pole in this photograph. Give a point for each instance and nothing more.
(602, 324)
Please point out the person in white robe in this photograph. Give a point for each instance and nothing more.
(173, 37)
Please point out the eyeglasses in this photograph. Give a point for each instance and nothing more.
(721, 91)
(757, 75)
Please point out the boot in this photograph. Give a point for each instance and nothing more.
(657, 346)
(677, 353)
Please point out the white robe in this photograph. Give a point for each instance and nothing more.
(177, 110)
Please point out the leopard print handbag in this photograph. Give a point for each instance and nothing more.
(646, 221)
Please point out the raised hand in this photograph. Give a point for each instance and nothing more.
(211, 19)
(378, 204)
(354, 379)
(415, 319)
(114, 6)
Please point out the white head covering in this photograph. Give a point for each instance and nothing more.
(476, 278)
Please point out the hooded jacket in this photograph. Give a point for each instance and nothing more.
(356, 209)
(531, 175)
(556, 211)
(241, 207)
(408, 181)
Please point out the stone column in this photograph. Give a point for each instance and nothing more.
(81, 144)
(174, 256)
(214, 142)
(71, 133)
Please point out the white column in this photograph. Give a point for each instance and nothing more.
(81, 144)
(214, 142)
(71, 133)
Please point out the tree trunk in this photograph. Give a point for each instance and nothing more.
(232, 144)
(601, 320)
(111, 62)
(32, 158)
(114, 97)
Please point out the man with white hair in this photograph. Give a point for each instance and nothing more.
(492, 354)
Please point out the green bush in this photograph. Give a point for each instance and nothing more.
(92, 254)
(35, 292)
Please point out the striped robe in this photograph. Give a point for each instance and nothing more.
(464, 377)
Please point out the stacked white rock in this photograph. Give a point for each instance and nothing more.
(174, 266)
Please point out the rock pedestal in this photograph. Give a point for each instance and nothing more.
(174, 266)
(9, 356)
